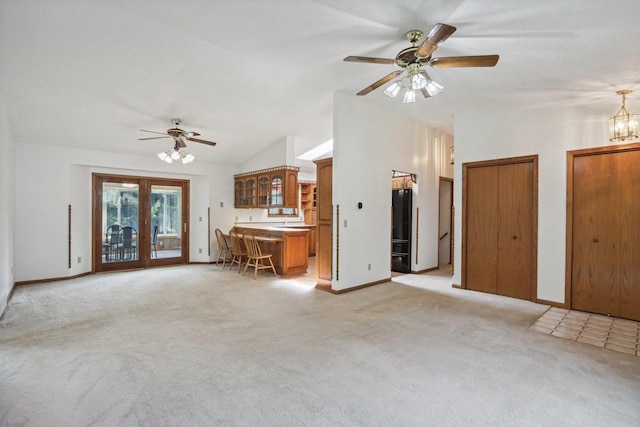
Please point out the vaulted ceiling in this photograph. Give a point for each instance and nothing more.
(91, 74)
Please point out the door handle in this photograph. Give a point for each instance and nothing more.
(184, 227)
(596, 240)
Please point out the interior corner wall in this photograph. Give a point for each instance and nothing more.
(7, 197)
(369, 143)
(494, 131)
(48, 179)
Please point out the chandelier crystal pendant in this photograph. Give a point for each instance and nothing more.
(623, 125)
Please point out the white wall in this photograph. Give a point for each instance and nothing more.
(50, 178)
(6, 207)
(278, 153)
(498, 130)
(370, 142)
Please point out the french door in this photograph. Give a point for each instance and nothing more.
(139, 222)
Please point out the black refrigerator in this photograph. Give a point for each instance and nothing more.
(401, 231)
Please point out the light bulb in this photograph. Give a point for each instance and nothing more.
(433, 88)
(188, 158)
(418, 81)
(393, 89)
(409, 97)
(162, 156)
(175, 155)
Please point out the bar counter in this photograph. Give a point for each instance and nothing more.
(289, 250)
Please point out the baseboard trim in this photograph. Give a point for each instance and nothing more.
(201, 262)
(457, 286)
(426, 270)
(54, 279)
(552, 303)
(327, 287)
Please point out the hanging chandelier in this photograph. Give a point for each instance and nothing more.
(623, 125)
(170, 155)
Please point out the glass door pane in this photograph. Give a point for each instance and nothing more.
(120, 222)
(166, 221)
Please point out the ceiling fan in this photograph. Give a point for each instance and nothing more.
(412, 59)
(178, 135)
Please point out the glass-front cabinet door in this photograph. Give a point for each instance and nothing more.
(277, 192)
(139, 222)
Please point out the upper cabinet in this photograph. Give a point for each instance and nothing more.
(267, 188)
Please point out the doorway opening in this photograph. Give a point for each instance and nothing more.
(139, 222)
(401, 220)
(445, 224)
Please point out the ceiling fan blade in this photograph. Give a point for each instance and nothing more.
(465, 61)
(151, 131)
(369, 60)
(153, 137)
(180, 142)
(380, 82)
(438, 34)
(201, 141)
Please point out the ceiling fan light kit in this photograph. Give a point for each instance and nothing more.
(412, 59)
(178, 135)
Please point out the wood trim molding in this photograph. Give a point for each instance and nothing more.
(553, 303)
(418, 232)
(53, 279)
(571, 155)
(327, 288)
(426, 270)
(337, 242)
(69, 237)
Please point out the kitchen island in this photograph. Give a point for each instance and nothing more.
(289, 249)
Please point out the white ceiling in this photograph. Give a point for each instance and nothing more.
(91, 74)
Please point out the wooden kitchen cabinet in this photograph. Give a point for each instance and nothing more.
(267, 188)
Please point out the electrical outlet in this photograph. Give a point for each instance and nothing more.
(236, 218)
(199, 250)
(369, 267)
(250, 218)
(200, 219)
(222, 204)
(345, 223)
(79, 259)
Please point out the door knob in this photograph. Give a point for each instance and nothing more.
(514, 237)
(595, 240)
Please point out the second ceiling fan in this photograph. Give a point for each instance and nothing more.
(412, 59)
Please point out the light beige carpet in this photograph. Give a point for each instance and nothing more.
(195, 345)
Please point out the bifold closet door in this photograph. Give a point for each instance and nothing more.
(482, 229)
(606, 234)
(630, 257)
(515, 230)
(596, 233)
(499, 243)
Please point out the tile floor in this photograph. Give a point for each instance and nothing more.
(609, 332)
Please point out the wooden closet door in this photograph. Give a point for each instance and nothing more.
(596, 233)
(515, 230)
(482, 229)
(630, 233)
